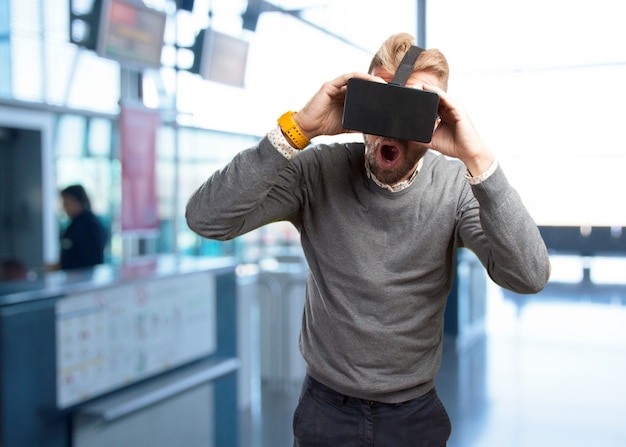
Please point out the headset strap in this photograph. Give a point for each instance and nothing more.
(405, 69)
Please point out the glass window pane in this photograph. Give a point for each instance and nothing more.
(27, 70)
(99, 137)
(5, 50)
(95, 84)
(202, 152)
(70, 136)
(5, 68)
(56, 20)
(60, 60)
(166, 143)
(4, 17)
(26, 50)
(166, 190)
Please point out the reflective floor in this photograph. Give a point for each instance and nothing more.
(551, 371)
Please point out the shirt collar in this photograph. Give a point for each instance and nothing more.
(398, 186)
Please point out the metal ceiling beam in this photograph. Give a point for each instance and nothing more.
(256, 7)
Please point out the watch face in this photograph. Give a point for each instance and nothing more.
(390, 110)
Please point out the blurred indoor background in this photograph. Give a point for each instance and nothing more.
(543, 81)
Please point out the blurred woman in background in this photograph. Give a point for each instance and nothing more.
(83, 242)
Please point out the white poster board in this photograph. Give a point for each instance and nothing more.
(112, 337)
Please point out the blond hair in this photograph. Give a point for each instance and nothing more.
(391, 52)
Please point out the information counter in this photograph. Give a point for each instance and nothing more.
(144, 354)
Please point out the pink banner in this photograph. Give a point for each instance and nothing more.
(138, 132)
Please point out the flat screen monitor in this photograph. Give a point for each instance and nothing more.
(221, 58)
(131, 33)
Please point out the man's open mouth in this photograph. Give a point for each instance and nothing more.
(389, 152)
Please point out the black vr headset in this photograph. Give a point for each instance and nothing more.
(392, 110)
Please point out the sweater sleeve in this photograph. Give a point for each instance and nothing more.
(251, 191)
(504, 236)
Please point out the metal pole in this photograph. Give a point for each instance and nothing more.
(420, 35)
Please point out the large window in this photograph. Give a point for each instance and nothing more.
(544, 83)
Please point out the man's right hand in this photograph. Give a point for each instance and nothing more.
(323, 114)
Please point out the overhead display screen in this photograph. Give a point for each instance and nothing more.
(221, 58)
(131, 33)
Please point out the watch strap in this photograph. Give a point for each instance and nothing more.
(292, 131)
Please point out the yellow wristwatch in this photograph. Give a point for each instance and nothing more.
(292, 131)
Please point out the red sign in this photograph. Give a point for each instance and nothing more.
(138, 132)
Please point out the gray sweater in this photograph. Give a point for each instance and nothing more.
(381, 264)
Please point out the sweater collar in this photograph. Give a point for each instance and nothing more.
(398, 186)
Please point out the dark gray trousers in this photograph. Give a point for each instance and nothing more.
(325, 418)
